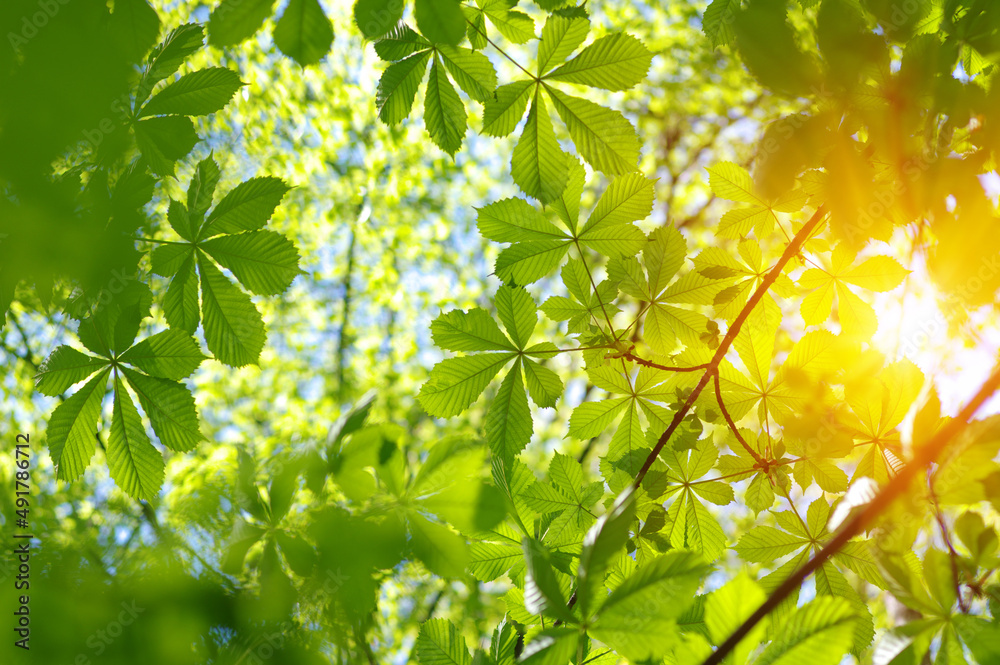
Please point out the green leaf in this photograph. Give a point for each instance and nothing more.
(180, 305)
(134, 25)
(637, 620)
(764, 544)
(455, 383)
(552, 646)
(304, 32)
(628, 198)
(541, 588)
(170, 409)
(72, 427)
(663, 257)
(488, 561)
(538, 165)
(727, 608)
(604, 137)
(234, 330)
(235, 20)
(544, 385)
(515, 220)
(732, 182)
(168, 56)
(819, 633)
(567, 205)
(170, 354)
(374, 18)
(247, 207)
(136, 466)
(440, 21)
(759, 495)
(300, 554)
(503, 110)
(199, 93)
(64, 367)
(264, 262)
(440, 643)
(718, 19)
(604, 539)
(592, 418)
(163, 141)
(515, 26)
(243, 536)
(444, 112)
(528, 262)
(439, 548)
(474, 330)
(613, 62)
(517, 312)
(199, 194)
(398, 87)
(400, 42)
(473, 72)
(560, 37)
(508, 422)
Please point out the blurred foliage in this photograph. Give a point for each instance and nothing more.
(237, 236)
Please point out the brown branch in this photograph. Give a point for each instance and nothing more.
(729, 420)
(927, 454)
(666, 368)
(791, 250)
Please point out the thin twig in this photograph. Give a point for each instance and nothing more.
(791, 250)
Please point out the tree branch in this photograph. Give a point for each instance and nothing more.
(791, 250)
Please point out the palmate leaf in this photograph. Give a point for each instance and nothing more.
(502, 113)
(375, 18)
(167, 57)
(515, 26)
(263, 261)
(440, 643)
(304, 32)
(398, 87)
